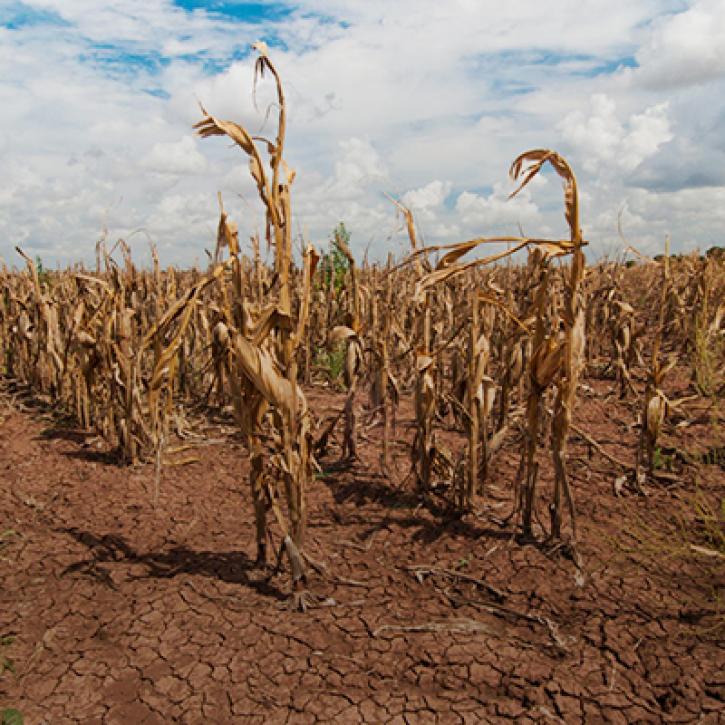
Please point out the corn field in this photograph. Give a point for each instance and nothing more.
(492, 348)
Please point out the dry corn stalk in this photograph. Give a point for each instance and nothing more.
(655, 402)
(270, 371)
(543, 367)
(423, 450)
(353, 365)
(350, 334)
(385, 392)
(551, 358)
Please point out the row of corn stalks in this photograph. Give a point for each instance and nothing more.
(487, 345)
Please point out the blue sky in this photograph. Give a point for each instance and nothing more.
(423, 100)
(239, 11)
(19, 16)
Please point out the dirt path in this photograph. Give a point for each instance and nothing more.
(123, 614)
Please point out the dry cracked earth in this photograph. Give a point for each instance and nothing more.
(116, 611)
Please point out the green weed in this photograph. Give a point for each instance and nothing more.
(11, 716)
(6, 664)
(334, 265)
(331, 362)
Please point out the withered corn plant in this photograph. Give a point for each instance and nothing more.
(655, 402)
(261, 361)
(558, 343)
(558, 353)
(477, 402)
(423, 449)
(351, 335)
(707, 334)
(384, 389)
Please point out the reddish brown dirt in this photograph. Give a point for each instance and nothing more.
(125, 614)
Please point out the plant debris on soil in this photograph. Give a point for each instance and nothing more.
(113, 611)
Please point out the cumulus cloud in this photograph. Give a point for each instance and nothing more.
(495, 210)
(684, 49)
(647, 220)
(429, 198)
(602, 139)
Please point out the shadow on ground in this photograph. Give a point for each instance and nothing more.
(231, 567)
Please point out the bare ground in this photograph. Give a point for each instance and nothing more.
(120, 612)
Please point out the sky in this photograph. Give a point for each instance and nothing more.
(426, 101)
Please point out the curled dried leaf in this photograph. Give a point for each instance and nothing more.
(536, 160)
(340, 333)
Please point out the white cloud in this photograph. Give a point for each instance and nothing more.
(359, 165)
(429, 197)
(602, 139)
(648, 219)
(432, 218)
(496, 211)
(176, 157)
(684, 49)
